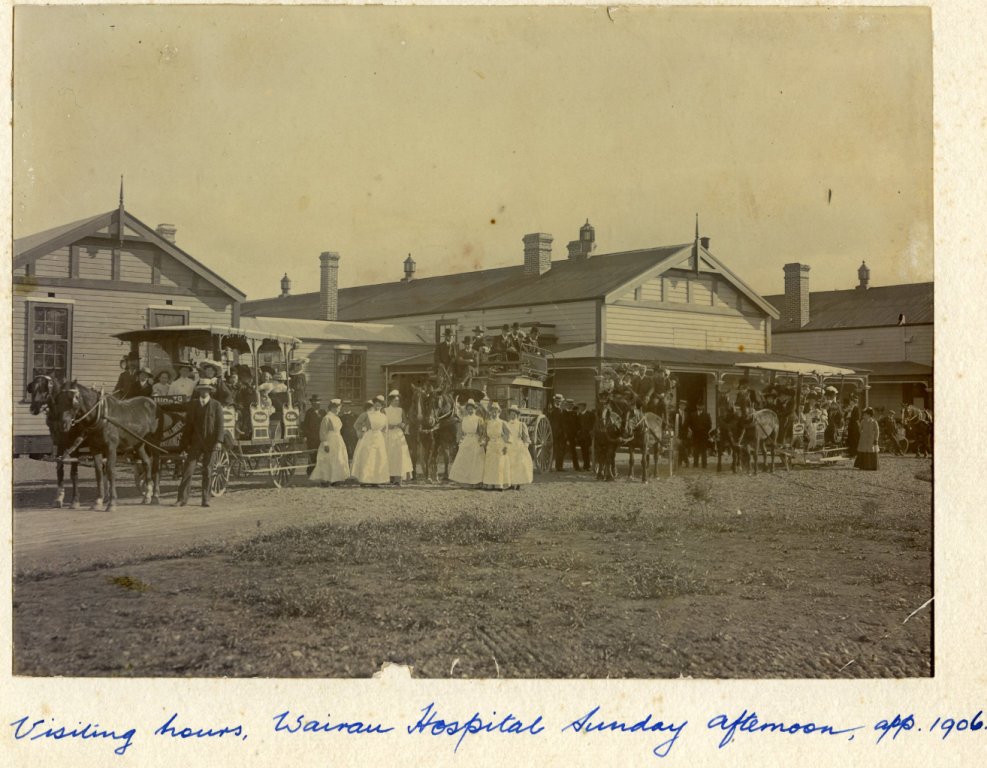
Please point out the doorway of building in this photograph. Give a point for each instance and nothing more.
(691, 387)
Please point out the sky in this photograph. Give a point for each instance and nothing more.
(270, 134)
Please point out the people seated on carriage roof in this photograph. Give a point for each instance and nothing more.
(184, 385)
(445, 350)
(127, 384)
(504, 345)
(519, 337)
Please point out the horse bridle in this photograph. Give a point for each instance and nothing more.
(98, 407)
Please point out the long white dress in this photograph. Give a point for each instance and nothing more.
(468, 465)
(331, 463)
(497, 465)
(522, 469)
(370, 465)
(398, 455)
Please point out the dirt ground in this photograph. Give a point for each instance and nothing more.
(801, 574)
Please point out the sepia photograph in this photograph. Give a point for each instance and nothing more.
(491, 342)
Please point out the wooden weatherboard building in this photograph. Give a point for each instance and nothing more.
(76, 284)
(679, 305)
(885, 330)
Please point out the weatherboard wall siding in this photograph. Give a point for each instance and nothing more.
(860, 345)
(96, 315)
(692, 330)
(321, 370)
(574, 322)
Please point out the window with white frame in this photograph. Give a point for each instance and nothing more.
(49, 341)
(351, 374)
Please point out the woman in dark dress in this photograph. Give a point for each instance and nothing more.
(853, 428)
(867, 445)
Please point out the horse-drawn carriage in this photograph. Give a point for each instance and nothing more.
(262, 441)
(800, 438)
(433, 410)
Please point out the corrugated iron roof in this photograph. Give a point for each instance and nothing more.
(858, 308)
(26, 243)
(567, 280)
(332, 331)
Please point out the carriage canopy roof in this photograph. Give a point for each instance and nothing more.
(201, 337)
(806, 368)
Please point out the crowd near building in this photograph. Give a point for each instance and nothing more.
(676, 315)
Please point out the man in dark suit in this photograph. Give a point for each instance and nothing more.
(587, 423)
(555, 418)
(503, 346)
(311, 424)
(128, 384)
(445, 352)
(699, 428)
(201, 437)
(570, 426)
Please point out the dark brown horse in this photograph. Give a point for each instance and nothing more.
(44, 393)
(606, 438)
(431, 430)
(111, 428)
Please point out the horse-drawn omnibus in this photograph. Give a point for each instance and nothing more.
(260, 445)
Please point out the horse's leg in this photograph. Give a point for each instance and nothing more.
(60, 474)
(145, 461)
(74, 475)
(100, 481)
(111, 471)
(155, 479)
(645, 455)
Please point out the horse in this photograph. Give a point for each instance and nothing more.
(44, 392)
(606, 436)
(112, 428)
(641, 430)
(759, 428)
(726, 438)
(422, 426)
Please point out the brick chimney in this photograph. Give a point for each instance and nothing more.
(329, 286)
(796, 295)
(537, 253)
(168, 232)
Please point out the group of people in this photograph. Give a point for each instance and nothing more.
(460, 359)
(238, 388)
(493, 452)
(572, 433)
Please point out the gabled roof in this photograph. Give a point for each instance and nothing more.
(34, 246)
(568, 280)
(858, 308)
(324, 330)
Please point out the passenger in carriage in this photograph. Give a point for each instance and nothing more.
(145, 386)
(519, 339)
(162, 383)
(534, 339)
(445, 352)
(298, 382)
(278, 395)
(463, 366)
(209, 371)
(242, 397)
(184, 385)
(127, 383)
(503, 346)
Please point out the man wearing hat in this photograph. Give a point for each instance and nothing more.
(556, 417)
(127, 384)
(570, 430)
(685, 444)
(145, 383)
(700, 426)
(200, 440)
(503, 346)
(209, 370)
(584, 437)
(445, 352)
(311, 424)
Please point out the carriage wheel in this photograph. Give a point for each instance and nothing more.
(219, 477)
(542, 450)
(282, 467)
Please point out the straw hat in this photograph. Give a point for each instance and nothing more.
(218, 366)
